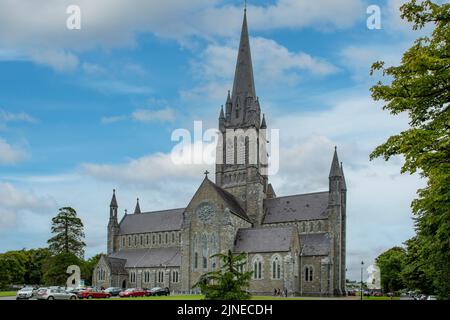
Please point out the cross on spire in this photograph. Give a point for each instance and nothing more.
(206, 173)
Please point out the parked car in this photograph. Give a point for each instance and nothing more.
(432, 298)
(25, 293)
(132, 292)
(93, 293)
(377, 294)
(114, 291)
(158, 291)
(54, 294)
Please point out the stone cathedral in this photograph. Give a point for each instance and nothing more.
(295, 243)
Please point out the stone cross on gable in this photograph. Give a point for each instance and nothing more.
(206, 173)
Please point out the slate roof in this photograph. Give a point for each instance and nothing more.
(231, 201)
(266, 239)
(155, 257)
(315, 244)
(116, 265)
(156, 221)
(296, 208)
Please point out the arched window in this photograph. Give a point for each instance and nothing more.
(311, 226)
(133, 276)
(129, 241)
(194, 251)
(135, 241)
(167, 238)
(257, 268)
(123, 242)
(213, 251)
(276, 267)
(319, 226)
(159, 238)
(175, 276)
(204, 251)
(142, 240)
(309, 273)
(173, 237)
(229, 157)
(303, 227)
(241, 150)
(146, 240)
(160, 276)
(153, 239)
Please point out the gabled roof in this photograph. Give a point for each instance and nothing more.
(299, 207)
(155, 257)
(116, 265)
(231, 201)
(156, 221)
(265, 239)
(315, 244)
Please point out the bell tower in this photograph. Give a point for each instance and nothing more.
(241, 160)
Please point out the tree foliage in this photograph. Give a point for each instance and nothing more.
(391, 264)
(56, 267)
(228, 283)
(68, 233)
(420, 87)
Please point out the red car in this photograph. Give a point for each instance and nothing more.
(132, 292)
(93, 293)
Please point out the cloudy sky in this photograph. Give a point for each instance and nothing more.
(85, 111)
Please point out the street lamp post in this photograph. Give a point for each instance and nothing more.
(362, 266)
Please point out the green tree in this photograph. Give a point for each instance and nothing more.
(420, 87)
(56, 267)
(416, 272)
(228, 283)
(12, 268)
(36, 258)
(391, 264)
(68, 233)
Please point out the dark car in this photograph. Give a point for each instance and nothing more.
(114, 291)
(158, 291)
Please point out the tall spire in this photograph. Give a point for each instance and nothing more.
(335, 170)
(138, 208)
(113, 200)
(244, 84)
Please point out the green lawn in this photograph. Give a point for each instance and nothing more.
(7, 293)
(381, 298)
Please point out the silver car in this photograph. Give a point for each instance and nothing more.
(55, 294)
(24, 293)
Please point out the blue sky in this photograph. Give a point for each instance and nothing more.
(85, 111)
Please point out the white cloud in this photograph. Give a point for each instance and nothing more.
(148, 115)
(37, 31)
(14, 201)
(6, 116)
(10, 154)
(59, 60)
(274, 65)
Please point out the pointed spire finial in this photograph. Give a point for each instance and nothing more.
(126, 211)
(113, 203)
(244, 83)
(137, 210)
(263, 122)
(335, 170)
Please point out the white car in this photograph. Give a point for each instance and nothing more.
(24, 293)
(432, 298)
(55, 293)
